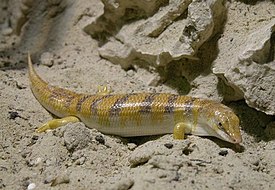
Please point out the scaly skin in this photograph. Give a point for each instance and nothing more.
(136, 114)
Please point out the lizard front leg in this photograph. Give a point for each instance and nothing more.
(179, 131)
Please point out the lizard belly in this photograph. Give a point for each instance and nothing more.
(131, 127)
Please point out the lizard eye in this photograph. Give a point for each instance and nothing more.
(220, 125)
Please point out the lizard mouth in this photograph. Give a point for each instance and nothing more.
(207, 130)
(229, 138)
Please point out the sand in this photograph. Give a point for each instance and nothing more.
(76, 157)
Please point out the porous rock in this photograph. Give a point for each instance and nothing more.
(147, 151)
(251, 72)
(76, 136)
(17, 11)
(171, 32)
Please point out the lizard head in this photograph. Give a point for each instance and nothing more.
(225, 123)
(218, 120)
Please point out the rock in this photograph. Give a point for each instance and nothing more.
(252, 72)
(223, 152)
(80, 161)
(18, 11)
(47, 59)
(64, 178)
(31, 186)
(76, 136)
(168, 145)
(169, 162)
(116, 13)
(123, 184)
(131, 146)
(7, 31)
(164, 35)
(130, 73)
(147, 151)
(100, 139)
(206, 87)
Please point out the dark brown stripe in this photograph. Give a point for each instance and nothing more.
(189, 105)
(116, 108)
(80, 102)
(147, 103)
(169, 107)
(58, 94)
(95, 103)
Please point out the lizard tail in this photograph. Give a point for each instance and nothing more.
(54, 99)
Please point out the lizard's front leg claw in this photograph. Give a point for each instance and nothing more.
(55, 123)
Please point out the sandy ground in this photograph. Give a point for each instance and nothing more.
(75, 157)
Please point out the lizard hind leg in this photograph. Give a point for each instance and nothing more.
(179, 131)
(104, 90)
(55, 123)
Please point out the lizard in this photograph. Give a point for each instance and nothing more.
(136, 114)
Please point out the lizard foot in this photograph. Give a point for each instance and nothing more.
(104, 90)
(55, 123)
(179, 131)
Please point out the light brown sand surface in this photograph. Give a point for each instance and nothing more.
(76, 157)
